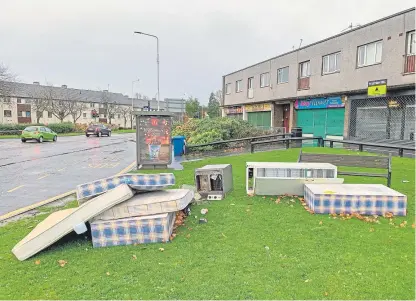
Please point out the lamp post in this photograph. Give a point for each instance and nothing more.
(132, 93)
(157, 61)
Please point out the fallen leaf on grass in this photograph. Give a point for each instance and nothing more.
(320, 222)
(277, 201)
(188, 235)
(371, 229)
(37, 262)
(247, 210)
(403, 224)
(307, 280)
(264, 197)
(388, 215)
(223, 235)
(161, 249)
(62, 263)
(108, 273)
(292, 200)
(326, 294)
(134, 257)
(413, 226)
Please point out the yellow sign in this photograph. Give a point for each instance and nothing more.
(393, 104)
(258, 107)
(377, 87)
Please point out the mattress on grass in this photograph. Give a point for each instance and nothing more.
(141, 182)
(367, 199)
(133, 230)
(60, 223)
(281, 186)
(148, 203)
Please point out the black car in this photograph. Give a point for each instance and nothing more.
(98, 130)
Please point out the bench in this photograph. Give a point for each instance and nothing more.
(353, 161)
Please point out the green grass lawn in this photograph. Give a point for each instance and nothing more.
(251, 248)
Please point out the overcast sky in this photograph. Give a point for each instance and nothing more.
(90, 43)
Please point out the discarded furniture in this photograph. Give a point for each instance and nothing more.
(141, 182)
(132, 230)
(60, 223)
(366, 199)
(279, 178)
(148, 203)
(353, 161)
(214, 181)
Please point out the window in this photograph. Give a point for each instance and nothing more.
(19, 100)
(283, 75)
(6, 99)
(7, 113)
(250, 83)
(228, 88)
(304, 69)
(264, 80)
(49, 114)
(330, 63)
(105, 115)
(238, 87)
(118, 116)
(411, 43)
(27, 113)
(369, 54)
(84, 115)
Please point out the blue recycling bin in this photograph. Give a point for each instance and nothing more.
(178, 145)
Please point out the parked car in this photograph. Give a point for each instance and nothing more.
(98, 130)
(39, 133)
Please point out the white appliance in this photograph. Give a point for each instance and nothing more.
(279, 178)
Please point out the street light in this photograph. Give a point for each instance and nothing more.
(157, 61)
(132, 95)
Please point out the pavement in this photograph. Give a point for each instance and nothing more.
(32, 172)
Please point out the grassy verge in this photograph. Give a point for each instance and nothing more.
(251, 248)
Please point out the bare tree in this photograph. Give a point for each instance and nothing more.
(138, 95)
(126, 113)
(6, 81)
(41, 100)
(57, 104)
(109, 105)
(76, 109)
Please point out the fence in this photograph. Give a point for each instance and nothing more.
(382, 118)
(230, 147)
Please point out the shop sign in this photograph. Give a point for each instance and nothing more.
(377, 87)
(393, 103)
(320, 103)
(234, 110)
(258, 107)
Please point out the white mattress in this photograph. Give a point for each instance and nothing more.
(148, 203)
(353, 189)
(60, 223)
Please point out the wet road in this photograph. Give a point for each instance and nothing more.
(32, 172)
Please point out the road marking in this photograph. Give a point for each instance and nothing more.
(52, 199)
(104, 165)
(11, 190)
(62, 169)
(42, 177)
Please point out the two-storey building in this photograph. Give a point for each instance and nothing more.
(322, 87)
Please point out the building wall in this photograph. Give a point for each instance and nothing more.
(25, 105)
(391, 31)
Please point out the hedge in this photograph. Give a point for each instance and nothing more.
(59, 128)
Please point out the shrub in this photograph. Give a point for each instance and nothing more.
(200, 131)
(60, 128)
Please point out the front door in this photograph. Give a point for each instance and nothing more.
(286, 117)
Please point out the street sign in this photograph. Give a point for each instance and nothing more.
(377, 87)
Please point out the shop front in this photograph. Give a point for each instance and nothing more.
(322, 117)
(259, 115)
(234, 112)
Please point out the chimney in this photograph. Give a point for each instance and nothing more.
(64, 86)
(36, 83)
